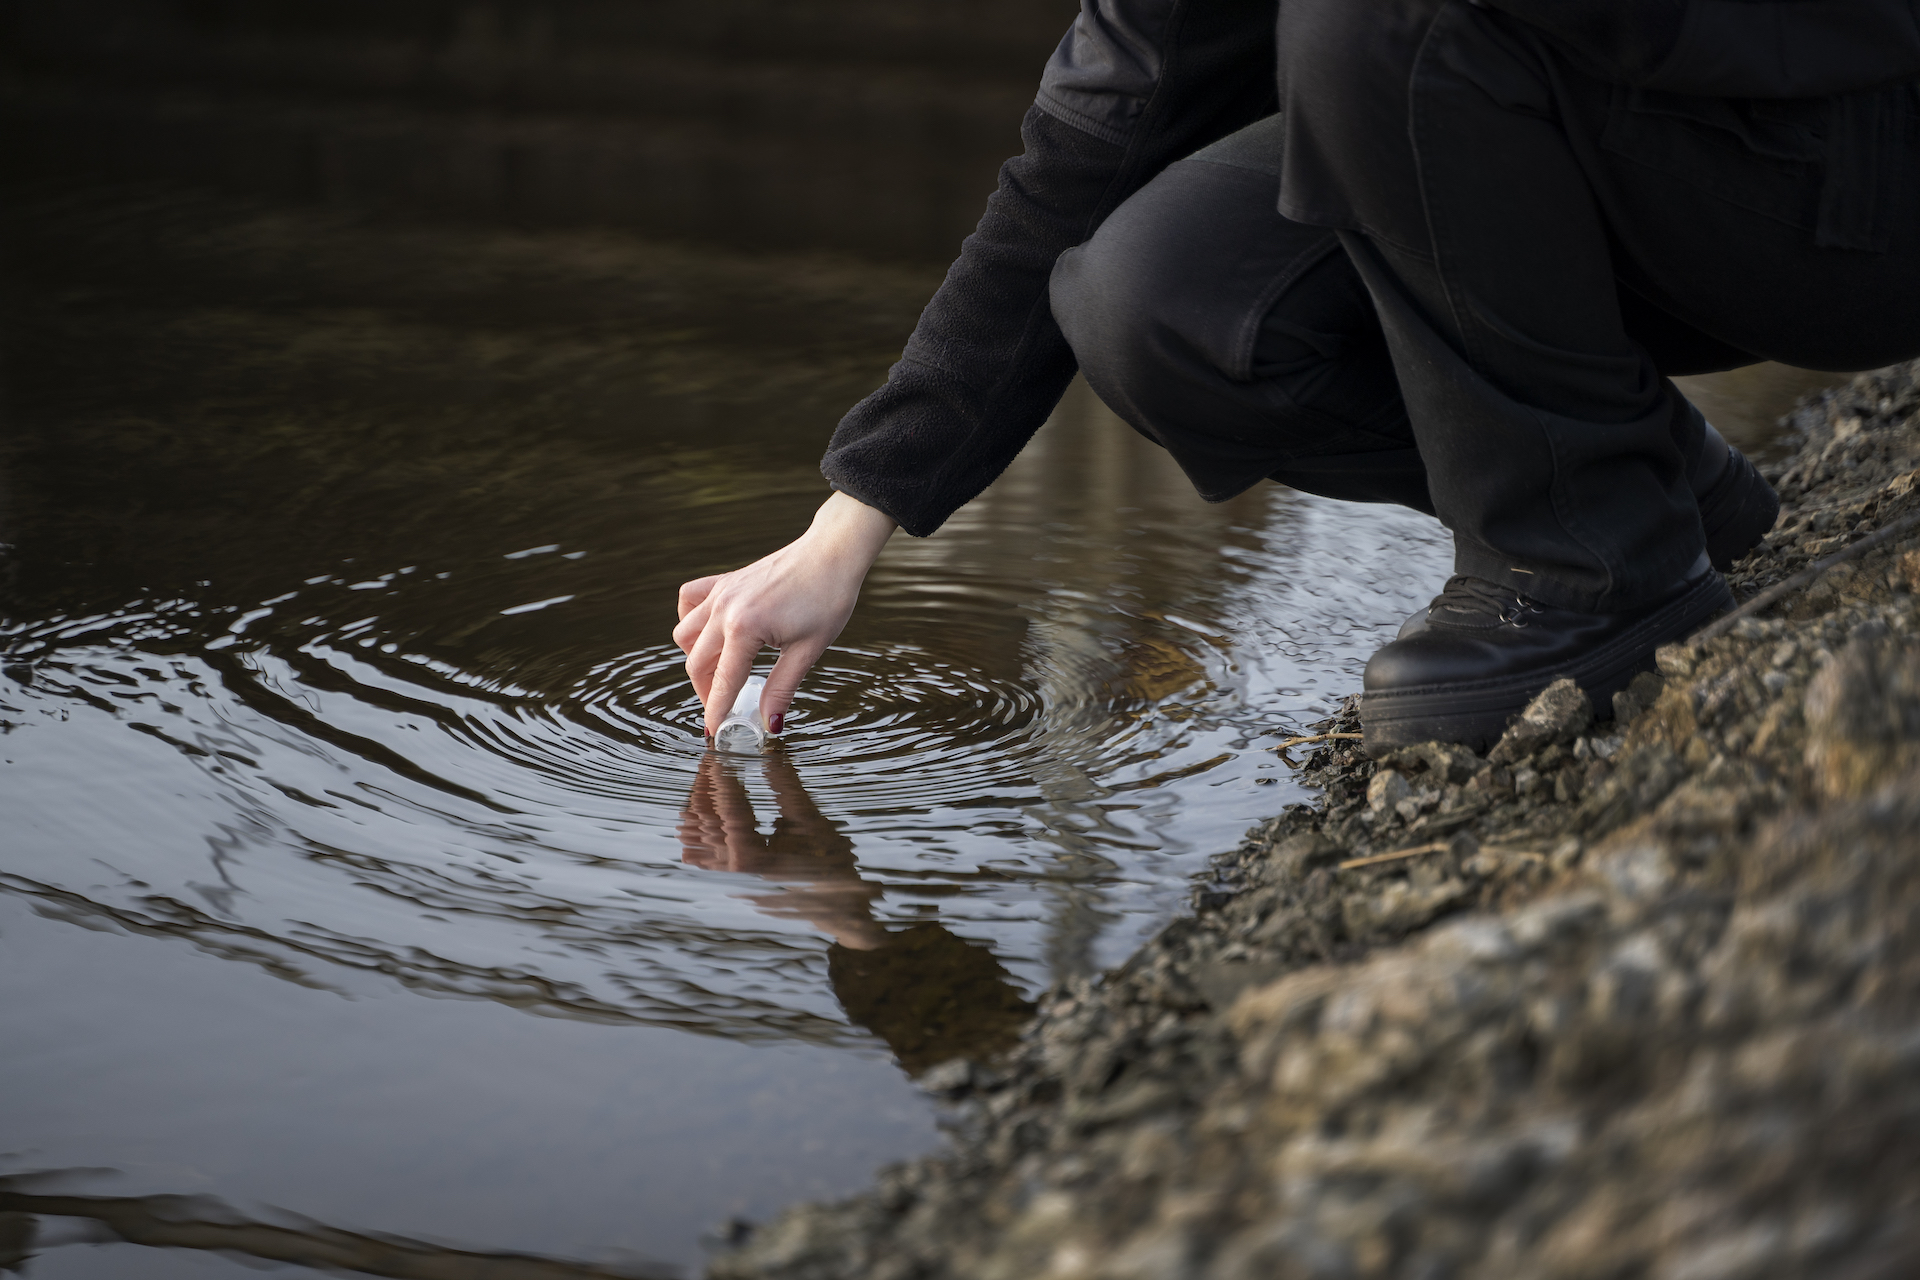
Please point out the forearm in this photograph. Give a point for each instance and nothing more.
(1136, 85)
(986, 363)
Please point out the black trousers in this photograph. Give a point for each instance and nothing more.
(1458, 274)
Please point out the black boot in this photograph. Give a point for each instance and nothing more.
(1737, 508)
(1737, 505)
(1486, 651)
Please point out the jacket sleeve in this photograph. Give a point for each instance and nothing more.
(1134, 86)
(1736, 48)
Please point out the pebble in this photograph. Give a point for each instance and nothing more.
(1641, 1005)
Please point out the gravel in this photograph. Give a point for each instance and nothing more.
(1630, 997)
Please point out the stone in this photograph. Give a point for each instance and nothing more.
(1387, 789)
(1674, 660)
(1908, 567)
(1641, 692)
(1699, 808)
(1639, 781)
(1495, 783)
(949, 1079)
(1560, 713)
(1445, 762)
(1400, 906)
(1863, 713)
(1665, 1030)
(1221, 984)
(1297, 855)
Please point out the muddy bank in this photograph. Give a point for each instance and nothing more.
(1634, 996)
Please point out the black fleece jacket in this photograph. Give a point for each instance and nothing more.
(1138, 84)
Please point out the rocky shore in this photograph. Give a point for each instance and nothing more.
(1635, 995)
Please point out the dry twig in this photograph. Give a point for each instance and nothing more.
(1778, 590)
(1395, 856)
(1437, 846)
(1303, 739)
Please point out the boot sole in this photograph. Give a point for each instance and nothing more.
(1476, 713)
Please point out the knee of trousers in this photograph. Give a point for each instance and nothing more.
(1118, 300)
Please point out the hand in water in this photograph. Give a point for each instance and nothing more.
(795, 600)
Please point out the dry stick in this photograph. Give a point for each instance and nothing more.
(159, 1222)
(1304, 739)
(1774, 593)
(1535, 854)
(1436, 847)
(1395, 856)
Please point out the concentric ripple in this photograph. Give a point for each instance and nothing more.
(378, 813)
(337, 569)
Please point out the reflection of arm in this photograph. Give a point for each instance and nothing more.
(1135, 85)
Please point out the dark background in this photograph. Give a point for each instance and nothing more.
(867, 125)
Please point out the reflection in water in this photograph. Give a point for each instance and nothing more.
(1745, 404)
(336, 583)
(204, 1222)
(929, 995)
(803, 850)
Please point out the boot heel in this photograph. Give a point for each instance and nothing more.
(1737, 512)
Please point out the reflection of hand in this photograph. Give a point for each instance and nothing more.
(716, 826)
(928, 994)
(795, 600)
(717, 832)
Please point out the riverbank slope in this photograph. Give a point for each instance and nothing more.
(1631, 997)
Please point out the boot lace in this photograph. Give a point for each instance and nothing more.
(1478, 598)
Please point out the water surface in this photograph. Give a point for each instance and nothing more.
(362, 858)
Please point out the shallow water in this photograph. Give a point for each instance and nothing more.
(343, 732)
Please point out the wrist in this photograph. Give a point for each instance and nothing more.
(851, 527)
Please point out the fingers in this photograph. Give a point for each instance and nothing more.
(784, 680)
(730, 671)
(703, 657)
(692, 622)
(694, 594)
(702, 838)
(719, 659)
(687, 633)
(735, 811)
(717, 829)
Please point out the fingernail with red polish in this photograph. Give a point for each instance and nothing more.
(779, 723)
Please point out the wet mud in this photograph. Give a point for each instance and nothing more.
(1632, 995)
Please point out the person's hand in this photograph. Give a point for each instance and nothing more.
(795, 600)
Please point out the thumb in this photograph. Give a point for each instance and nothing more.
(784, 680)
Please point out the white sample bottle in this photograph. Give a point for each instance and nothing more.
(744, 728)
